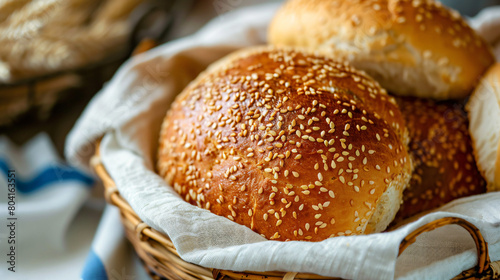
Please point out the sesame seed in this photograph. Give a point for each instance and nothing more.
(342, 179)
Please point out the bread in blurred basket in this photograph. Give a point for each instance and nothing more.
(39, 37)
(46, 47)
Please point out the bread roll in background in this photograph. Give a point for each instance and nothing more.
(412, 48)
(484, 114)
(291, 145)
(441, 150)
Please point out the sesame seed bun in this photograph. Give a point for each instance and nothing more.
(413, 48)
(442, 156)
(484, 114)
(294, 146)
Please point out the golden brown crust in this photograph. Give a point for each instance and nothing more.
(412, 47)
(294, 146)
(441, 150)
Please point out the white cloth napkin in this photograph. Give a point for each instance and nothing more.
(128, 113)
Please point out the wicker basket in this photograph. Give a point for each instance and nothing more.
(161, 259)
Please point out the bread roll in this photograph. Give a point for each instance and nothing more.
(291, 145)
(484, 114)
(413, 48)
(441, 150)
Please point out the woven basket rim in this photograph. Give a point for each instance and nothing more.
(162, 251)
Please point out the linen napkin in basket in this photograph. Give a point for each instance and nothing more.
(129, 112)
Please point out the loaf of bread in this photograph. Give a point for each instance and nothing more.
(484, 114)
(442, 155)
(292, 145)
(411, 47)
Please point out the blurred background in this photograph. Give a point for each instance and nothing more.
(54, 57)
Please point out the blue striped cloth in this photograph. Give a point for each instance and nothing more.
(48, 196)
(52, 209)
(50, 174)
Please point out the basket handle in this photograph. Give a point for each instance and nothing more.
(481, 245)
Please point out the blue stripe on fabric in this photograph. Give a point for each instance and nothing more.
(94, 268)
(49, 175)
